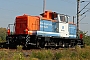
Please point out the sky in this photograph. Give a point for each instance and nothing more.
(9, 9)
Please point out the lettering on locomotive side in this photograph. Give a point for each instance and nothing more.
(45, 25)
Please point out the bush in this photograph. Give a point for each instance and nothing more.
(84, 55)
(57, 55)
(3, 33)
(38, 55)
(42, 55)
(18, 56)
(73, 54)
(19, 47)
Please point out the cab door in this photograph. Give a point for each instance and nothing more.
(63, 29)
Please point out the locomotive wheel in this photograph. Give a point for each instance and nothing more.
(37, 44)
(42, 44)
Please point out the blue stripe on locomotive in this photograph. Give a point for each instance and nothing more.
(47, 26)
(72, 31)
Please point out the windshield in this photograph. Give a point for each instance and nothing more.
(63, 18)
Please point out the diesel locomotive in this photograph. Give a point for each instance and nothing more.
(50, 29)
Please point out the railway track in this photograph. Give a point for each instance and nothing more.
(4, 46)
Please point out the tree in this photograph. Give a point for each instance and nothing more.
(2, 34)
(86, 38)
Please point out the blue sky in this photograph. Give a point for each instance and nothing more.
(9, 9)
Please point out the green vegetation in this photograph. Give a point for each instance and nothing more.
(2, 34)
(86, 38)
(59, 54)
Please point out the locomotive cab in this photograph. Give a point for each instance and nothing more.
(63, 25)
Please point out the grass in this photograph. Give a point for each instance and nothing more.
(65, 54)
